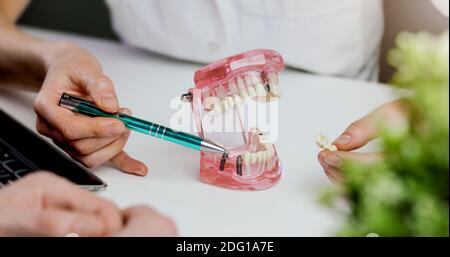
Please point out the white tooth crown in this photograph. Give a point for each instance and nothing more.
(325, 144)
(274, 84)
(211, 102)
(237, 100)
(260, 90)
(242, 89)
(251, 91)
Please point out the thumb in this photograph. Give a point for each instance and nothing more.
(357, 134)
(367, 128)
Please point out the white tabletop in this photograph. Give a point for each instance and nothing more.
(147, 83)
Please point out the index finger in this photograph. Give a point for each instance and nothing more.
(74, 126)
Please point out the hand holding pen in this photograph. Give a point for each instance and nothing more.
(92, 141)
(88, 108)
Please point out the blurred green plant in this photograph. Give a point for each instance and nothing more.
(406, 194)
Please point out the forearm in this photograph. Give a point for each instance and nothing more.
(12, 9)
(22, 57)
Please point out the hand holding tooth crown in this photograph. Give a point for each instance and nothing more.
(223, 93)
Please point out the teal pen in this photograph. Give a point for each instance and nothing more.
(82, 106)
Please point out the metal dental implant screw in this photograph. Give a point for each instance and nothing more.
(186, 97)
(223, 160)
(239, 165)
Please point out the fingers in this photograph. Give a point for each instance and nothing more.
(45, 129)
(55, 222)
(332, 162)
(102, 155)
(95, 150)
(90, 145)
(334, 175)
(118, 157)
(98, 86)
(367, 128)
(57, 193)
(50, 222)
(144, 221)
(337, 159)
(128, 164)
(82, 146)
(72, 126)
(121, 159)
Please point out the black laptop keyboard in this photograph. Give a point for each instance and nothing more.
(12, 164)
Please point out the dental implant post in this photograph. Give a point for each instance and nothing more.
(223, 160)
(239, 165)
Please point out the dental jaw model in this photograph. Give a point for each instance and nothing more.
(227, 93)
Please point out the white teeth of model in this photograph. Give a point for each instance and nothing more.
(273, 78)
(255, 80)
(241, 86)
(270, 151)
(275, 89)
(259, 158)
(246, 159)
(260, 90)
(262, 156)
(237, 100)
(211, 102)
(264, 139)
(244, 94)
(232, 86)
(230, 101)
(217, 108)
(251, 91)
(253, 157)
(225, 105)
(268, 155)
(248, 80)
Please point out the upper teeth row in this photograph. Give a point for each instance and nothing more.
(242, 89)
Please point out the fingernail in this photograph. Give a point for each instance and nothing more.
(343, 139)
(333, 160)
(109, 100)
(116, 128)
(141, 171)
